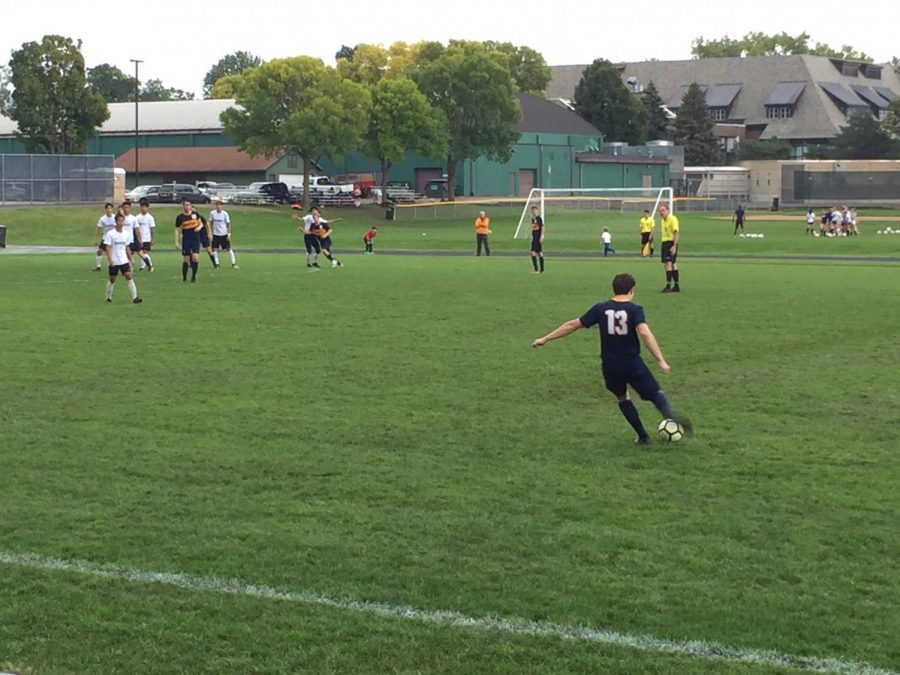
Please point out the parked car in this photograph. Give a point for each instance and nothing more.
(135, 193)
(174, 193)
(211, 188)
(276, 192)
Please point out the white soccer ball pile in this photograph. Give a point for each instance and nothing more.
(670, 431)
(753, 235)
(888, 230)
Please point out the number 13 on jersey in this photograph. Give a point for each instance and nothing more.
(616, 322)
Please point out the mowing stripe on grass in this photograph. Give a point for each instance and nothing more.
(692, 648)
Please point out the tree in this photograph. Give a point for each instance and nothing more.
(657, 120)
(54, 108)
(369, 64)
(474, 90)
(345, 53)
(527, 66)
(763, 149)
(224, 87)
(155, 90)
(402, 121)
(761, 44)
(693, 130)
(892, 119)
(111, 83)
(231, 64)
(5, 89)
(863, 138)
(297, 106)
(603, 100)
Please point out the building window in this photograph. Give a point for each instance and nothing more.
(777, 112)
(718, 114)
(292, 161)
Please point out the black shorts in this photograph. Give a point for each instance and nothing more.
(221, 241)
(739, 222)
(325, 243)
(634, 373)
(667, 255)
(115, 269)
(135, 247)
(645, 238)
(204, 238)
(537, 246)
(101, 246)
(146, 246)
(190, 243)
(312, 243)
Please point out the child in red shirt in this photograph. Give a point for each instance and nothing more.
(368, 237)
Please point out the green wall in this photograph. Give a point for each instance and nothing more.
(116, 145)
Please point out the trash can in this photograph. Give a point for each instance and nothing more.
(389, 211)
(2, 236)
(775, 203)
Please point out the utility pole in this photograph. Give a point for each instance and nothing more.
(137, 90)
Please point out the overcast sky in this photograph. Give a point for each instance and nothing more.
(179, 41)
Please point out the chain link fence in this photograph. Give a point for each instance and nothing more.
(55, 179)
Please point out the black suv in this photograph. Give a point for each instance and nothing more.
(277, 192)
(175, 192)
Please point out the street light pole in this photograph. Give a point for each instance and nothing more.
(137, 172)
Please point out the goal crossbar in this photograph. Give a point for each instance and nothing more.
(539, 196)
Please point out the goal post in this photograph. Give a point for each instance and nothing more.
(581, 202)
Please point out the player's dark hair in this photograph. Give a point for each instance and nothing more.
(144, 202)
(127, 202)
(622, 283)
(185, 200)
(120, 216)
(646, 210)
(109, 205)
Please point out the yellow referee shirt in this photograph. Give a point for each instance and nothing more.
(647, 224)
(669, 226)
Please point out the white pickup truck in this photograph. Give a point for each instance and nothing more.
(322, 185)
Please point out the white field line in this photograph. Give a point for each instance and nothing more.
(699, 649)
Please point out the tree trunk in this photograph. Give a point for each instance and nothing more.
(385, 169)
(307, 166)
(451, 178)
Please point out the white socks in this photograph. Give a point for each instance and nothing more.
(99, 260)
(216, 257)
(233, 260)
(132, 288)
(109, 289)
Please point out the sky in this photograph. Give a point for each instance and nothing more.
(178, 42)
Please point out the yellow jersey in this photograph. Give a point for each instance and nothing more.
(669, 226)
(647, 224)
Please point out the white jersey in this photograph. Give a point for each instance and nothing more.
(606, 237)
(117, 243)
(220, 222)
(810, 218)
(106, 223)
(146, 222)
(309, 222)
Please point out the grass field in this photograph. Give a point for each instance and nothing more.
(385, 433)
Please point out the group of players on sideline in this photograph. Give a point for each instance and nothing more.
(834, 222)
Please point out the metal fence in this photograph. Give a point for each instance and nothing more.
(55, 179)
(846, 185)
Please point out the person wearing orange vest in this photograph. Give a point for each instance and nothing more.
(482, 223)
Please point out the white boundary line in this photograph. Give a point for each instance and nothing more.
(700, 649)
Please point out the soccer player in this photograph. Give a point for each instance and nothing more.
(738, 219)
(606, 238)
(537, 240)
(188, 225)
(621, 322)
(647, 224)
(106, 223)
(323, 229)
(669, 227)
(310, 239)
(206, 245)
(368, 237)
(810, 221)
(221, 231)
(147, 226)
(482, 230)
(118, 240)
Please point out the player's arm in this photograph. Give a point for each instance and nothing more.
(208, 228)
(177, 236)
(98, 234)
(676, 234)
(108, 251)
(562, 331)
(542, 233)
(647, 337)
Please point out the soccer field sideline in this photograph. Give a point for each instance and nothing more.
(695, 648)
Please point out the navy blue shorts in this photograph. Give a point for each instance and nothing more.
(667, 255)
(537, 246)
(221, 241)
(619, 375)
(312, 243)
(325, 242)
(190, 243)
(115, 269)
(204, 238)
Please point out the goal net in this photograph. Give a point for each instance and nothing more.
(580, 208)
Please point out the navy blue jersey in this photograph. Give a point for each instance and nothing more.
(739, 215)
(537, 224)
(617, 322)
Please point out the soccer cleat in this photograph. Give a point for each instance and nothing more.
(667, 289)
(684, 422)
(308, 265)
(97, 268)
(235, 267)
(316, 265)
(109, 299)
(676, 288)
(193, 280)
(137, 300)
(642, 440)
(150, 268)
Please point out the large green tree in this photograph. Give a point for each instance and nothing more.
(763, 44)
(230, 64)
(402, 121)
(603, 100)
(297, 106)
(54, 108)
(111, 83)
(472, 86)
(863, 137)
(693, 130)
(657, 120)
(155, 90)
(527, 66)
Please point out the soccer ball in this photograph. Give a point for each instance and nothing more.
(670, 430)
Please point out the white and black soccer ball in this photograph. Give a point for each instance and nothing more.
(670, 431)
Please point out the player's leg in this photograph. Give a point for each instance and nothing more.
(226, 244)
(147, 258)
(675, 277)
(317, 247)
(132, 287)
(185, 262)
(477, 245)
(195, 264)
(541, 258)
(643, 382)
(534, 262)
(667, 265)
(616, 385)
(110, 282)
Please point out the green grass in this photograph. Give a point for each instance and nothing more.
(385, 432)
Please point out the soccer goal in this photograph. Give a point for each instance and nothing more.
(580, 205)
